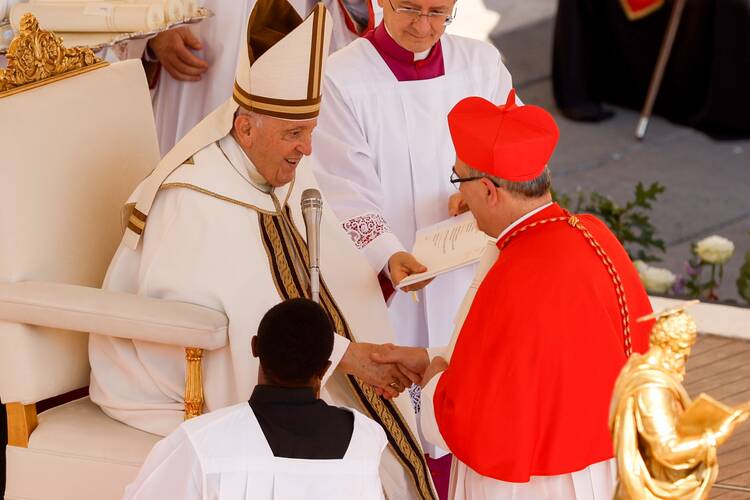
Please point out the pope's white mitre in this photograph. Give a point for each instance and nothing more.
(279, 72)
(284, 80)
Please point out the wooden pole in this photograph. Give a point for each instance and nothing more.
(661, 65)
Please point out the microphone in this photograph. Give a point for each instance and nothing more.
(312, 210)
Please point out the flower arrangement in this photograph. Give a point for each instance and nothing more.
(703, 272)
(709, 254)
(655, 279)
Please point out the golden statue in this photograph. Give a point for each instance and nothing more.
(665, 444)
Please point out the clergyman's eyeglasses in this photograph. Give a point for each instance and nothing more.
(432, 17)
(456, 180)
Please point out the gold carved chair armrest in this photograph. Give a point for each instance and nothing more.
(92, 310)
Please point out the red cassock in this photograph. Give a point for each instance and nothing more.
(530, 380)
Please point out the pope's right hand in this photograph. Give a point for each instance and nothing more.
(388, 380)
(403, 264)
(174, 50)
(412, 361)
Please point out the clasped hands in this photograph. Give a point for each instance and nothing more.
(389, 368)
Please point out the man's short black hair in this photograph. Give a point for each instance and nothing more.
(295, 341)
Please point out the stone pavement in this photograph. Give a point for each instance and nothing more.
(707, 181)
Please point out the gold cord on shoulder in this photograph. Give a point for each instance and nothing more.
(575, 222)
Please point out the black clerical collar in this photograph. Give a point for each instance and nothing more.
(263, 394)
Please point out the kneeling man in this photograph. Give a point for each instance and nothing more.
(334, 452)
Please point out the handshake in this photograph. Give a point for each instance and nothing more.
(389, 368)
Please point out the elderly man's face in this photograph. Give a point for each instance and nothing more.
(412, 32)
(275, 146)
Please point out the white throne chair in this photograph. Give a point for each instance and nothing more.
(73, 146)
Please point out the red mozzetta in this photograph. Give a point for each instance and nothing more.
(529, 385)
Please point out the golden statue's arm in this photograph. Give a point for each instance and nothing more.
(657, 425)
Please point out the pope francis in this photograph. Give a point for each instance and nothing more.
(216, 224)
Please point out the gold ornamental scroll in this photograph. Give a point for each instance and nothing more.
(38, 57)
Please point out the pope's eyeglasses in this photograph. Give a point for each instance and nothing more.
(432, 17)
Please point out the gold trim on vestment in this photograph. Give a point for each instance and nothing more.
(38, 57)
(288, 109)
(273, 100)
(321, 56)
(292, 281)
(316, 52)
(139, 215)
(192, 187)
(634, 16)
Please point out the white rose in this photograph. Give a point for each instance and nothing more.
(655, 279)
(640, 266)
(714, 249)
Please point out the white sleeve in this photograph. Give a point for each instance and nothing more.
(502, 84)
(429, 425)
(346, 169)
(171, 470)
(340, 345)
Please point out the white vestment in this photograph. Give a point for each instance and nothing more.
(180, 105)
(204, 250)
(595, 482)
(225, 456)
(390, 141)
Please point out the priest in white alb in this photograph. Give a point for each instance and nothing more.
(217, 224)
(192, 68)
(383, 131)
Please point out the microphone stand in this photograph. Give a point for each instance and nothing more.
(312, 210)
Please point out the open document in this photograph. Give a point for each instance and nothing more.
(447, 245)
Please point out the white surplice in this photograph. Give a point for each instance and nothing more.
(389, 141)
(200, 249)
(180, 105)
(224, 455)
(595, 482)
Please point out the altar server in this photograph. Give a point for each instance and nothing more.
(383, 130)
(284, 442)
(218, 224)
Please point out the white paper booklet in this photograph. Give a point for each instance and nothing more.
(447, 245)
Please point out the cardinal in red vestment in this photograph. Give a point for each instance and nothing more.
(523, 404)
